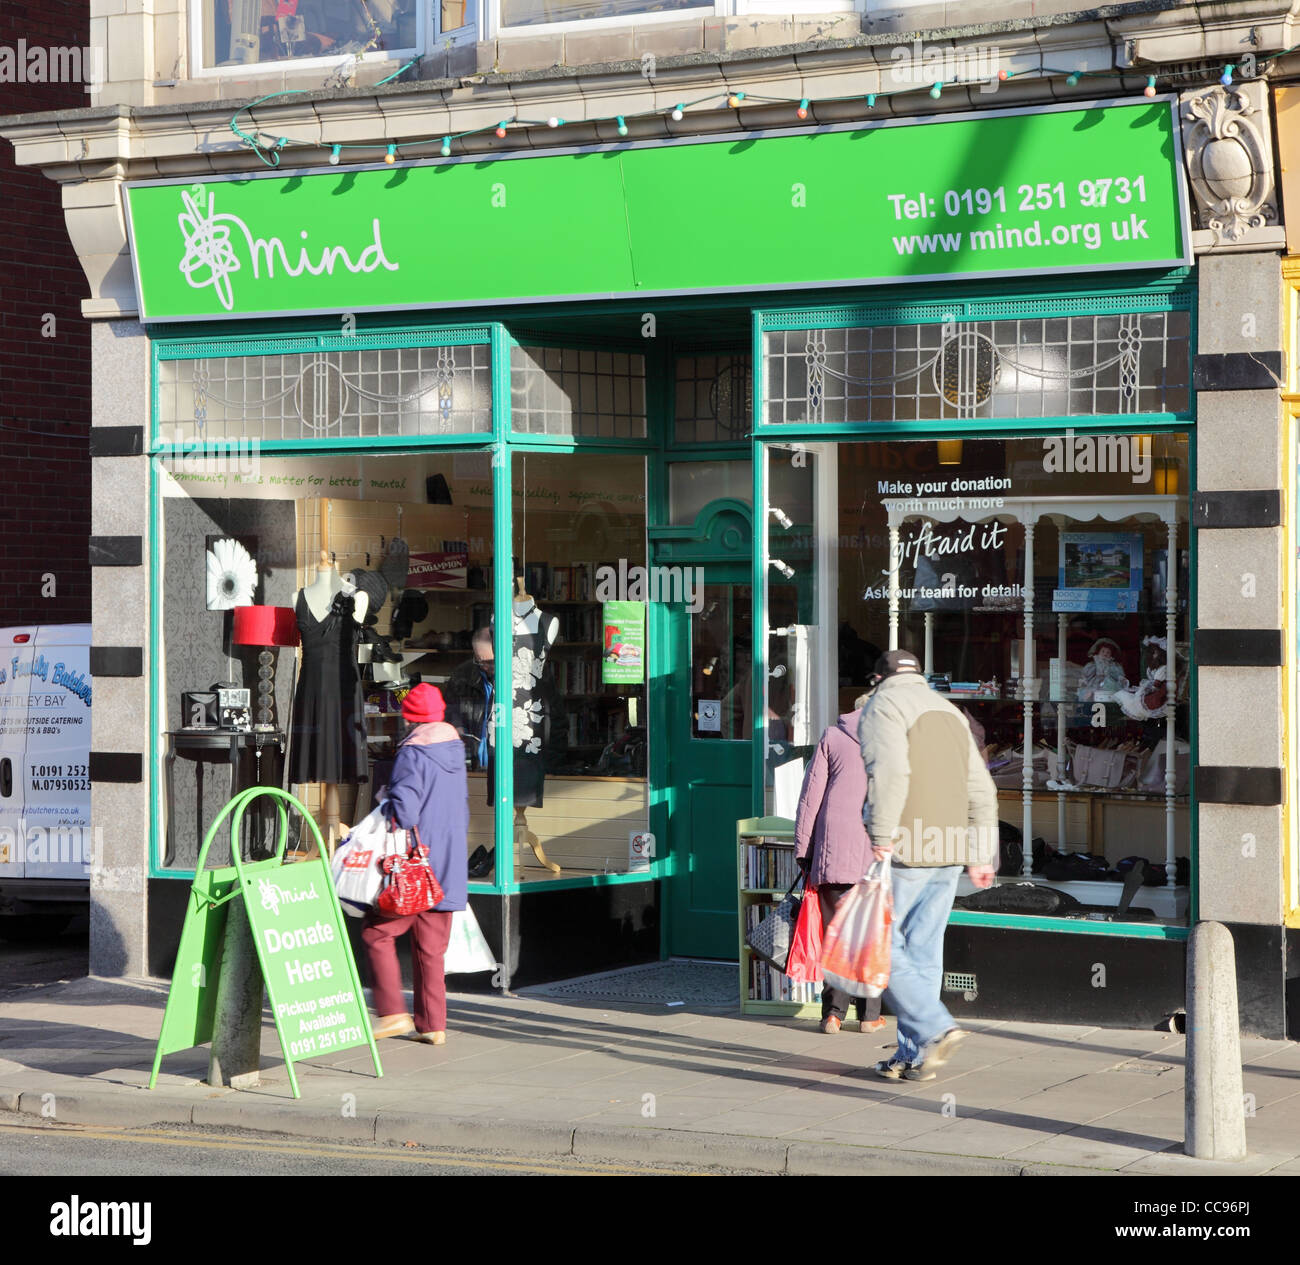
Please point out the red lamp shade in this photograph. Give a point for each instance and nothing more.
(264, 626)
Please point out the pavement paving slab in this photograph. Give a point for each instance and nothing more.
(544, 1075)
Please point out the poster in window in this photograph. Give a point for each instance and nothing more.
(623, 655)
(1099, 571)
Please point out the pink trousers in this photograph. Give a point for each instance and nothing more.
(430, 932)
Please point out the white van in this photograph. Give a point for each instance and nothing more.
(46, 841)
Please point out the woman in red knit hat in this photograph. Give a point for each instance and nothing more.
(427, 792)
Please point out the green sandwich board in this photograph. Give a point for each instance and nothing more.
(302, 946)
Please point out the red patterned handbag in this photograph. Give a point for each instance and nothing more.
(412, 887)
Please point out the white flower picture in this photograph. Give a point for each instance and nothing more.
(232, 575)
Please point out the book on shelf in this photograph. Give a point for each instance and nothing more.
(766, 983)
(770, 865)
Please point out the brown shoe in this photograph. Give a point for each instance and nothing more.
(830, 1025)
(393, 1026)
(871, 1025)
(432, 1038)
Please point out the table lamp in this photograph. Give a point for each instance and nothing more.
(264, 626)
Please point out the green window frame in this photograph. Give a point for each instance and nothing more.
(1170, 292)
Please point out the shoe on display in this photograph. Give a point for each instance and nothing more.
(480, 862)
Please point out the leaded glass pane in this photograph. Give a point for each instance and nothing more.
(715, 399)
(1076, 366)
(567, 391)
(370, 393)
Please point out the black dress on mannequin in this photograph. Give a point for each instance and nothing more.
(328, 727)
(533, 637)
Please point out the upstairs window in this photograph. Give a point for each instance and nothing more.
(236, 33)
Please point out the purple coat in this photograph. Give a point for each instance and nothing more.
(428, 789)
(829, 819)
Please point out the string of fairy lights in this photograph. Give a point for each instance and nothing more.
(269, 146)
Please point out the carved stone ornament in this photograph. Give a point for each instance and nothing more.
(1229, 150)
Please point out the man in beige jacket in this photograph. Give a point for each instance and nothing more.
(933, 808)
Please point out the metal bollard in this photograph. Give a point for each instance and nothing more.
(1214, 1115)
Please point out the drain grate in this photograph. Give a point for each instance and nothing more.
(959, 982)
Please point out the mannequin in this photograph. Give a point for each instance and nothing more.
(319, 605)
(535, 632)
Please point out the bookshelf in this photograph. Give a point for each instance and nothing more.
(765, 868)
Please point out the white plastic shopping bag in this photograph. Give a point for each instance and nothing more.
(358, 862)
(467, 950)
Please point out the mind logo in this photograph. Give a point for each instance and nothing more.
(270, 895)
(212, 254)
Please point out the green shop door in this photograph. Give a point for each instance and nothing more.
(709, 718)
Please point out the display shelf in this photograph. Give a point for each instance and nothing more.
(1095, 792)
(1047, 611)
(1036, 622)
(1164, 902)
(1041, 702)
(764, 831)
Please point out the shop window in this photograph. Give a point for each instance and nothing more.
(580, 664)
(247, 32)
(566, 391)
(537, 12)
(1074, 366)
(409, 533)
(714, 399)
(1044, 583)
(371, 393)
(693, 485)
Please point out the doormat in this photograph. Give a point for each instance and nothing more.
(682, 980)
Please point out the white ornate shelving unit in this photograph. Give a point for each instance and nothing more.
(1171, 901)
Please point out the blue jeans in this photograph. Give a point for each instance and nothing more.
(923, 899)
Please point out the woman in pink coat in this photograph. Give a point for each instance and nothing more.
(832, 846)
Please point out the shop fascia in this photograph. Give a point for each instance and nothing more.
(325, 242)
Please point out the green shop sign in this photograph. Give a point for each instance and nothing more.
(1025, 192)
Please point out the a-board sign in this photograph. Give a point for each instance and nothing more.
(306, 960)
(301, 941)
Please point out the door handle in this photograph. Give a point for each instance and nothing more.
(6, 777)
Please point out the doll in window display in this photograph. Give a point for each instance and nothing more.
(1104, 674)
(1146, 700)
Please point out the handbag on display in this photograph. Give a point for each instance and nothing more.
(412, 887)
(772, 938)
